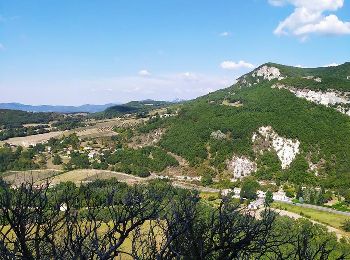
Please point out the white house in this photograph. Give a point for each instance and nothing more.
(225, 192)
(63, 207)
(237, 191)
(280, 196)
(254, 205)
(261, 194)
(92, 154)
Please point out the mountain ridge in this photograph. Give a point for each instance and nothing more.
(279, 122)
(87, 108)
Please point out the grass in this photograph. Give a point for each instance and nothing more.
(18, 177)
(341, 206)
(81, 175)
(210, 198)
(127, 245)
(209, 195)
(327, 218)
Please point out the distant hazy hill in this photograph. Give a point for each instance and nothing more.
(277, 122)
(15, 118)
(59, 109)
(133, 107)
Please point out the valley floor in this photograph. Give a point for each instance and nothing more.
(330, 218)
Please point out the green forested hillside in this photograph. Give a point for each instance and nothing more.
(323, 132)
(14, 118)
(339, 72)
(141, 107)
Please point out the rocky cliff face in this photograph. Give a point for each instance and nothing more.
(286, 149)
(330, 98)
(268, 73)
(257, 114)
(262, 73)
(265, 139)
(241, 166)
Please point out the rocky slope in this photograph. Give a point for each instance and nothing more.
(290, 124)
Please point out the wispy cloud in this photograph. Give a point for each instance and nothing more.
(225, 34)
(144, 73)
(177, 85)
(232, 65)
(186, 85)
(2, 47)
(309, 18)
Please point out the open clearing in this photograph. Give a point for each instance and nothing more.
(326, 218)
(83, 176)
(77, 176)
(19, 177)
(100, 128)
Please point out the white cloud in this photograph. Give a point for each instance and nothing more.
(231, 65)
(225, 34)
(188, 76)
(144, 73)
(331, 65)
(299, 66)
(308, 18)
(329, 25)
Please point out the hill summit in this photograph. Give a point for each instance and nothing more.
(277, 122)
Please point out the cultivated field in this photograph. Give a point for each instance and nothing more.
(87, 175)
(19, 177)
(100, 128)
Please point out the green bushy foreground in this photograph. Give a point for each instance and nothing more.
(107, 219)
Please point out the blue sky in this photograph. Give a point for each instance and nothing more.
(92, 51)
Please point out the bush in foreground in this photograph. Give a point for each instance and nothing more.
(106, 219)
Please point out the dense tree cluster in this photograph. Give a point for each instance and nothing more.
(336, 72)
(140, 162)
(325, 84)
(12, 123)
(71, 140)
(69, 123)
(57, 160)
(16, 118)
(17, 160)
(249, 189)
(140, 108)
(107, 219)
(312, 195)
(23, 131)
(152, 124)
(78, 161)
